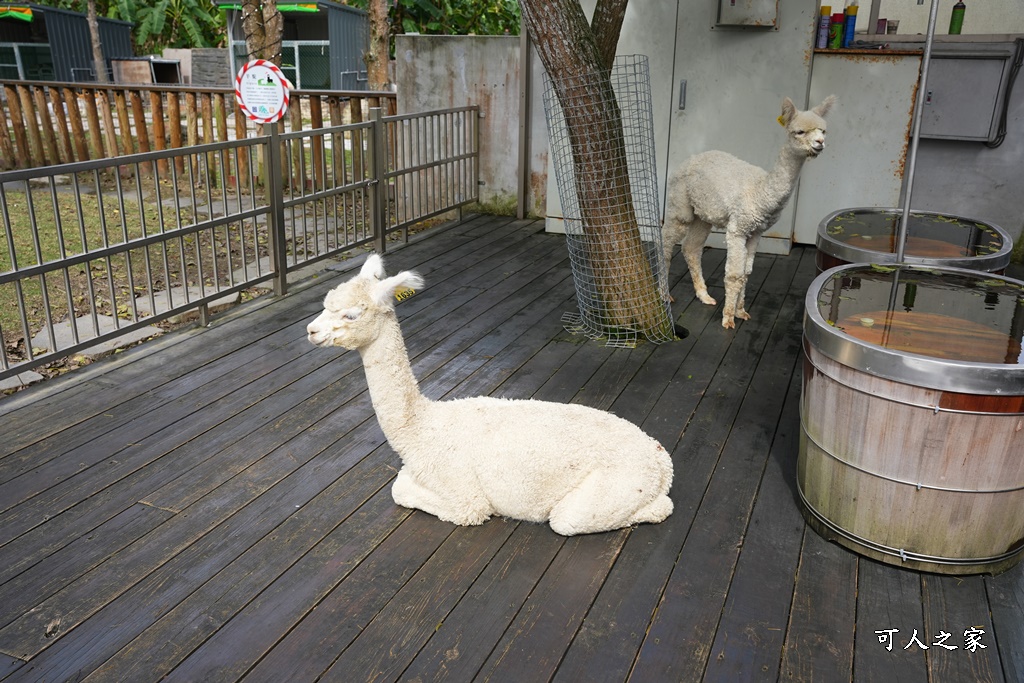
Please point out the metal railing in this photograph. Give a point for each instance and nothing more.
(94, 250)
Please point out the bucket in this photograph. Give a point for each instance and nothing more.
(912, 416)
(868, 235)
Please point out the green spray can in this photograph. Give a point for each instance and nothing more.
(956, 20)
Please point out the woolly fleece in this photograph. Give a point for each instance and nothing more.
(716, 189)
(581, 469)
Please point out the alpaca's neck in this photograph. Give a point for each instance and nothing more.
(394, 392)
(778, 184)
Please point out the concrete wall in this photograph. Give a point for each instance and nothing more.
(206, 67)
(439, 72)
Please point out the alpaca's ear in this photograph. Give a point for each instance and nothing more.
(823, 109)
(373, 267)
(385, 289)
(788, 111)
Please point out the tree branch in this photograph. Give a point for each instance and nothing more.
(606, 26)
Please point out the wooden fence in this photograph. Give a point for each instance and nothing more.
(48, 123)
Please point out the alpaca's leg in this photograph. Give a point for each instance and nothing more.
(693, 249)
(409, 493)
(656, 511)
(735, 276)
(741, 311)
(605, 500)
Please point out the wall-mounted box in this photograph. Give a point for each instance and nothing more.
(966, 91)
(747, 14)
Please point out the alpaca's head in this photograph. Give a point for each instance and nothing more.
(354, 312)
(806, 129)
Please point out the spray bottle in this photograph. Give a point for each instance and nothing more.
(849, 25)
(956, 20)
(824, 20)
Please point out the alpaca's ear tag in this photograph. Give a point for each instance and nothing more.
(403, 293)
(781, 120)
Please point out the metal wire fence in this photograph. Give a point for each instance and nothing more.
(92, 251)
(592, 257)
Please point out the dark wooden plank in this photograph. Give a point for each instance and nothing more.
(752, 629)
(537, 638)
(695, 594)
(386, 646)
(198, 556)
(887, 598)
(958, 605)
(38, 582)
(316, 361)
(463, 642)
(306, 555)
(614, 631)
(819, 638)
(26, 406)
(1006, 599)
(9, 667)
(312, 646)
(494, 310)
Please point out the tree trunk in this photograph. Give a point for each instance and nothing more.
(263, 25)
(378, 55)
(99, 63)
(574, 60)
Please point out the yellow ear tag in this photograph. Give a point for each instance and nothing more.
(781, 120)
(404, 293)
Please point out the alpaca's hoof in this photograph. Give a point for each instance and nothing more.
(728, 323)
(742, 315)
(706, 299)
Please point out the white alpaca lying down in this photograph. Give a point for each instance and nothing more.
(583, 470)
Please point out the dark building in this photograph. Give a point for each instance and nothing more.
(40, 43)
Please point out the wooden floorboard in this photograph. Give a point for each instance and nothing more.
(216, 505)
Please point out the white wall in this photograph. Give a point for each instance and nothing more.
(981, 16)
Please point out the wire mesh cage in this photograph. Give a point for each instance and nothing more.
(601, 267)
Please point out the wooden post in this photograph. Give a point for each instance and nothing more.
(206, 102)
(141, 130)
(6, 148)
(36, 156)
(20, 141)
(124, 121)
(156, 106)
(75, 119)
(221, 118)
(298, 161)
(174, 120)
(92, 115)
(109, 130)
(60, 119)
(191, 129)
(317, 142)
(241, 133)
(355, 108)
(46, 126)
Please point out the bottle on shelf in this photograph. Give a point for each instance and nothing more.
(849, 24)
(956, 19)
(824, 21)
(835, 31)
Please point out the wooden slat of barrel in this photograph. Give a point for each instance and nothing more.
(869, 441)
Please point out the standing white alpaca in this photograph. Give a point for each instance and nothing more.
(717, 189)
(582, 469)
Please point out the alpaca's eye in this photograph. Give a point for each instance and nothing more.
(351, 315)
(801, 132)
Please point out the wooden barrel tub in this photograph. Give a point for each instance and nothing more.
(912, 416)
(868, 235)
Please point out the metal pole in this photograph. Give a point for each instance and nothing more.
(901, 236)
(275, 190)
(523, 180)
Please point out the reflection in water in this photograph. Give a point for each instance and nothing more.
(957, 316)
(928, 235)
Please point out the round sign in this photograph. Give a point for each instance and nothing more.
(261, 90)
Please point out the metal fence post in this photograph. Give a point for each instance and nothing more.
(379, 185)
(275, 190)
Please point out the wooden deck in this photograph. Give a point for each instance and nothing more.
(215, 506)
